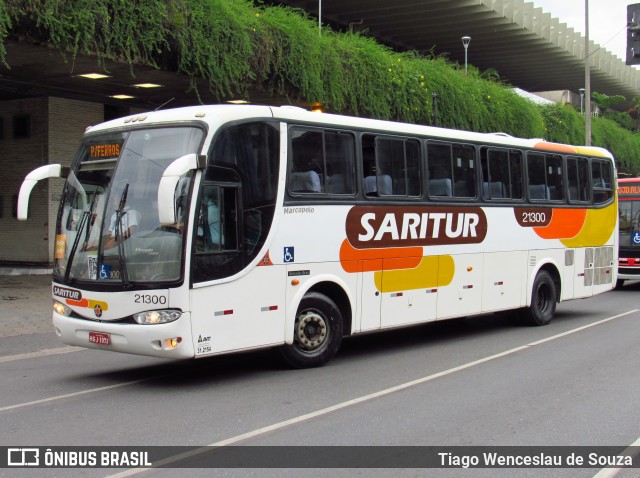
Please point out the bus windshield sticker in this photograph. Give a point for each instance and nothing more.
(92, 266)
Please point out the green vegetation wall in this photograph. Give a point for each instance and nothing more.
(239, 47)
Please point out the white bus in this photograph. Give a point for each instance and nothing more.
(216, 229)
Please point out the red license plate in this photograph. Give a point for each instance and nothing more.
(99, 338)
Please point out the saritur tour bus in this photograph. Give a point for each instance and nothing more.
(629, 242)
(215, 229)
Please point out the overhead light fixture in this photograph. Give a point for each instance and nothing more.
(94, 76)
(147, 85)
(122, 97)
(238, 102)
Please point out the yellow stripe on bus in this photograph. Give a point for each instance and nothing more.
(597, 230)
(433, 271)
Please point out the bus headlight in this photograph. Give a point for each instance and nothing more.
(61, 309)
(157, 316)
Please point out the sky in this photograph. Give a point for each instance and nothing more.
(607, 20)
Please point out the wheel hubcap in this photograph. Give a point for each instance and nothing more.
(311, 330)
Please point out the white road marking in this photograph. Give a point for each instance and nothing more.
(75, 394)
(362, 399)
(611, 472)
(40, 353)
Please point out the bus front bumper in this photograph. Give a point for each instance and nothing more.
(172, 340)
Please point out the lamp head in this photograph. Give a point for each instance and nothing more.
(466, 40)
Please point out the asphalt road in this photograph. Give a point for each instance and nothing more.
(472, 382)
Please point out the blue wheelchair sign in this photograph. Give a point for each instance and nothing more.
(105, 271)
(289, 255)
(635, 238)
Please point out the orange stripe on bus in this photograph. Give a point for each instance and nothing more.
(565, 224)
(556, 147)
(78, 303)
(369, 260)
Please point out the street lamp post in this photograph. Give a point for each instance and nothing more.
(434, 108)
(465, 42)
(587, 78)
(581, 100)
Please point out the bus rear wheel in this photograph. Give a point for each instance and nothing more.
(317, 332)
(543, 300)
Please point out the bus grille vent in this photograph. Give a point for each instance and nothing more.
(604, 256)
(602, 275)
(588, 257)
(588, 277)
(569, 257)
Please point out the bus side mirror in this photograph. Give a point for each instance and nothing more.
(43, 172)
(169, 182)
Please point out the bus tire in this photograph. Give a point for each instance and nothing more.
(317, 332)
(619, 283)
(543, 300)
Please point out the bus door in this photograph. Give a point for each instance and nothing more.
(232, 311)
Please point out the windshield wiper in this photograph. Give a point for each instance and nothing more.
(124, 275)
(84, 220)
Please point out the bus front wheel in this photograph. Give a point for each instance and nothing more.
(543, 300)
(317, 332)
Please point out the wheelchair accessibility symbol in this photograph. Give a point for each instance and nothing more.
(289, 254)
(105, 271)
(635, 238)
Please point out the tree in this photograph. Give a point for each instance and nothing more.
(605, 101)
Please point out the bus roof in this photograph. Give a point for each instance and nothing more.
(217, 115)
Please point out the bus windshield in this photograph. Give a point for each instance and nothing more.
(108, 227)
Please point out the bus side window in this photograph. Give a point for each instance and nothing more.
(464, 171)
(340, 162)
(501, 173)
(537, 186)
(322, 161)
(452, 170)
(306, 162)
(578, 179)
(601, 181)
(440, 172)
(395, 167)
(391, 166)
(555, 177)
(516, 171)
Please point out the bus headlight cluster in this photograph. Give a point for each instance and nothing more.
(61, 309)
(157, 316)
